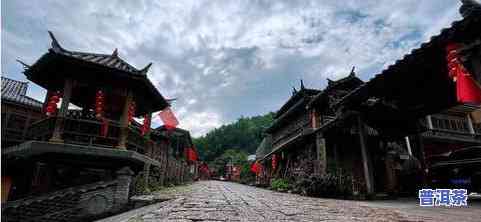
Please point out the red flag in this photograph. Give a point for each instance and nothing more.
(467, 89)
(169, 119)
(191, 154)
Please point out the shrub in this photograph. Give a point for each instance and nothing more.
(139, 185)
(326, 185)
(280, 184)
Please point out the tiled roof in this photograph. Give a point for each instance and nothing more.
(457, 32)
(16, 91)
(264, 147)
(112, 61)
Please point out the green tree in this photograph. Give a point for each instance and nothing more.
(245, 135)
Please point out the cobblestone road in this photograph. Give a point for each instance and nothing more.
(224, 201)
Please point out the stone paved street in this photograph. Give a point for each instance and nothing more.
(225, 201)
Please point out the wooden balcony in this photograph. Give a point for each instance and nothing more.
(325, 119)
(290, 131)
(452, 127)
(85, 130)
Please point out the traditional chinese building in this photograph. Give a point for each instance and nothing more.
(392, 128)
(18, 111)
(80, 160)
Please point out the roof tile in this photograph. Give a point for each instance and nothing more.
(16, 91)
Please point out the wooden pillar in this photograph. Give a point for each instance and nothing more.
(429, 121)
(476, 64)
(314, 119)
(27, 125)
(366, 163)
(419, 154)
(321, 153)
(6, 185)
(470, 124)
(67, 92)
(408, 145)
(124, 121)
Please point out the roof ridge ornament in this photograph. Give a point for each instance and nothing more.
(353, 73)
(55, 45)
(146, 69)
(329, 81)
(25, 65)
(302, 85)
(115, 53)
(294, 90)
(470, 7)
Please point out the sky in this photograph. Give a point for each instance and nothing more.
(223, 60)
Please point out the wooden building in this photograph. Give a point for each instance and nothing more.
(391, 128)
(81, 160)
(18, 112)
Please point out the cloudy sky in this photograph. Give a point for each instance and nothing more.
(226, 59)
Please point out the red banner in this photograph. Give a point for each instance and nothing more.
(467, 89)
(169, 119)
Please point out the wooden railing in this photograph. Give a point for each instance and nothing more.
(325, 119)
(477, 128)
(452, 126)
(290, 131)
(450, 123)
(85, 130)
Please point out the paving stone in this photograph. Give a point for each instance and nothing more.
(224, 201)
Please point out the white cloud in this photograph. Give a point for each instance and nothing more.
(224, 59)
(200, 123)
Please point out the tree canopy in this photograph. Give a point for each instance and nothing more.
(243, 135)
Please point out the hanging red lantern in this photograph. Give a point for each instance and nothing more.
(56, 98)
(146, 126)
(255, 167)
(99, 104)
(131, 112)
(51, 109)
(274, 161)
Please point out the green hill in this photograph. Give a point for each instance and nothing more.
(244, 135)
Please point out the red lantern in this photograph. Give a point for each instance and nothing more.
(146, 125)
(274, 161)
(56, 98)
(255, 167)
(99, 104)
(131, 112)
(52, 104)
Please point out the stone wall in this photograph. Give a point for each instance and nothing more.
(73, 204)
